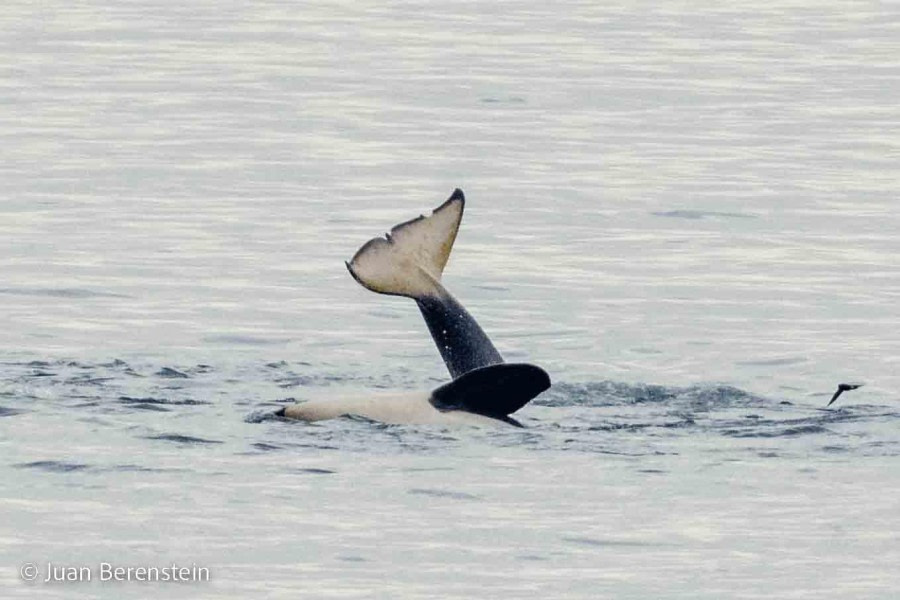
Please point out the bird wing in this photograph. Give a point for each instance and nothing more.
(839, 391)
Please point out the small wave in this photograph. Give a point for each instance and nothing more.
(182, 439)
(388, 381)
(680, 424)
(91, 380)
(695, 215)
(435, 493)
(603, 393)
(115, 363)
(262, 415)
(835, 449)
(266, 447)
(149, 400)
(246, 340)
(9, 412)
(61, 292)
(587, 541)
(777, 432)
(773, 362)
(130, 468)
(314, 471)
(39, 372)
(53, 466)
(614, 393)
(151, 407)
(296, 381)
(170, 373)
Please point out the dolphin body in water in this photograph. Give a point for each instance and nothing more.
(409, 261)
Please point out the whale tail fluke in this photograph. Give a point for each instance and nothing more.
(410, 259)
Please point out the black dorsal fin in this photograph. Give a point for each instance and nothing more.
(493, 391)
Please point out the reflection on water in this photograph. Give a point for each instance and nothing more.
(686, 214)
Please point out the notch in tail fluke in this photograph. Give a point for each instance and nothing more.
(410, 259)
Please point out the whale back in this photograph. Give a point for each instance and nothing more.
(494, 391)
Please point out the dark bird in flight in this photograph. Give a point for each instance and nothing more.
(844, 387)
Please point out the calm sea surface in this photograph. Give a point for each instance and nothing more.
(688, 215)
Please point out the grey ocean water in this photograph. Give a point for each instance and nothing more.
(686, 212)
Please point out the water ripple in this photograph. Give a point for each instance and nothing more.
(53, 466)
